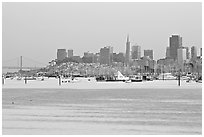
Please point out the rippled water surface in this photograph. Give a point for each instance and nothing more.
(115, 111)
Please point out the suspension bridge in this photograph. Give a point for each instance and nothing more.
(18, 63)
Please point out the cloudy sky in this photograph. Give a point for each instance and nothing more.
(37, 30)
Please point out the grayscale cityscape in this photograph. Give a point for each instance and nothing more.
(134, 84)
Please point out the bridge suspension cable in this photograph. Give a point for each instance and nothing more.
(29, 59)
(22, 65)
(9, 60)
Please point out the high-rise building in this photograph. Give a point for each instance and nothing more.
(181, 57)
(193, 53)
(127, 55)
(187, 53)
(148, 53)
(175, 42)
(167, 52)
(61, 54)
(201, 52)
(106, 54)
(70, 53)
(136, 52)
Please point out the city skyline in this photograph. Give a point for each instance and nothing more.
(38, 29)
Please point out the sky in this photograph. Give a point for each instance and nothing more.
(37, 30)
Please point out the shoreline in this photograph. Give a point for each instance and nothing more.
(54, 84)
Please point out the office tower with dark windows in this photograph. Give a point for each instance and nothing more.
(106, 54)
(175, 42)
(148, 53)
(70, 53)
(127, 53)
(193, 53)
(61, 54)
(201, 52)
(187, 53)
(136, 52)
(167, 52)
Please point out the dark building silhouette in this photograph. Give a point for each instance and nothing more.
(70, 53)
(175, 42)
(61, 54)
(187, 53)
(167, 52)
(88, 57)
(201, 52)
(127, 55)
(148, 53)
(136, 52)
(118, 57)
(106, 55)
(76, 59)
(193, 53)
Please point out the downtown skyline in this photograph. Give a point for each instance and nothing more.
(38, 29)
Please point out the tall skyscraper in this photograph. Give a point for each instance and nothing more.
(181, 57)
(187, 53)
(61, 54)
(127, 55)
(167, 52)
(201, 52)
(70, 53)
(136, 52)
(106, 55)
(175, 42)
(148, 53)
(193, 53)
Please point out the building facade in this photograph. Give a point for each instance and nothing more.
(61, 54)
(106, 55)
(193, 53)
(88, 57)
(127, 53)
(201, 52)
(175, 42)
(148, 53)
(118, 57)
(181, 57)
(167, 52)
(136, 52)
(77, 59)
(70, 53)
(187, 53)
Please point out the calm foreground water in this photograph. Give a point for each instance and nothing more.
(115, 111)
